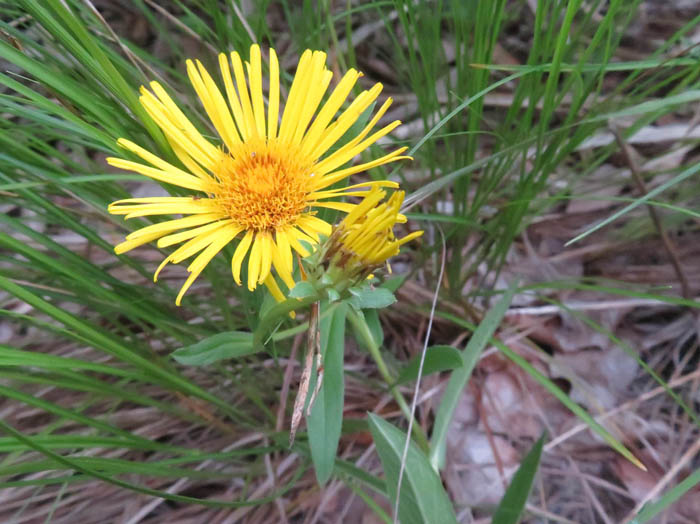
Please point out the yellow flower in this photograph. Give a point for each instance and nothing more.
(265, 182)
(365, 239)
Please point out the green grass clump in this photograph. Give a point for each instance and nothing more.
(91, 328)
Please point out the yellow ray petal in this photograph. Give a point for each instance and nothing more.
(189, 162)
(142, 210)
(338, 206)
(239, 255)
(274, 288)
(214, 103)
(152, 159)
(370, 125)
(312, 223)
(285, 249)
(176, 177)
(282, 259)
(319, 80)
(150, 200)
(256, 95)
(161, 266)
(266, 248)
(243, 94)
(221, 239)
(375, 183)
(203, 94)
(353, 143)
(234, 102)
(174, 225)
(329, 109)
(131, 243)
(254, 262)
(196, 244)
(336, 160)
(336, 193)
(295, 98)
(201, 150)
(295, 235)
(186, 250)
(273, 96)
(410, 237)
(363, 207)
(336, 130)
(176, 238)
(174, 115)
(331, 178)
(222, 110)
(203, 259)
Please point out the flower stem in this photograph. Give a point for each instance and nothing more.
(363, 330)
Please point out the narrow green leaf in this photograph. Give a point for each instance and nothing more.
(232, 344)
(394, 283)
(374, 324)
(513, 502)
(651, 194)
(111, 345)
(437, 358)
(633, 65)
(460, 376)
(422, 498)
(651, 510)
(326, 419)
(564, 399)
(69, 463)
(651, 106)
(557, 393)
(11, 357)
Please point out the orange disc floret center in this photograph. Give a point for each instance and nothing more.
(263, 185)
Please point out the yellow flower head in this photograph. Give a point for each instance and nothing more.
(266, 180)
(365, 239)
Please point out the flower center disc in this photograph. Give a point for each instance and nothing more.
(263, 185)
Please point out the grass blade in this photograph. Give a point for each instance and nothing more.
(460, 377)
(651, 510)
(513, 502)
(326, 419)
(423, 499)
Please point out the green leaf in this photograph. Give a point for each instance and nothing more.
(231, 344)
(302, 289)
(367, 328)
(368, 298)
(332, 294)
(513, 502)
(112, 478)
(687, 173)
(394, 283)
(437, 358)
(422, 498)
(649, 511)
(555, 391)
(374, 324)
(326, 419)
(460, 376)
(110, 344)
